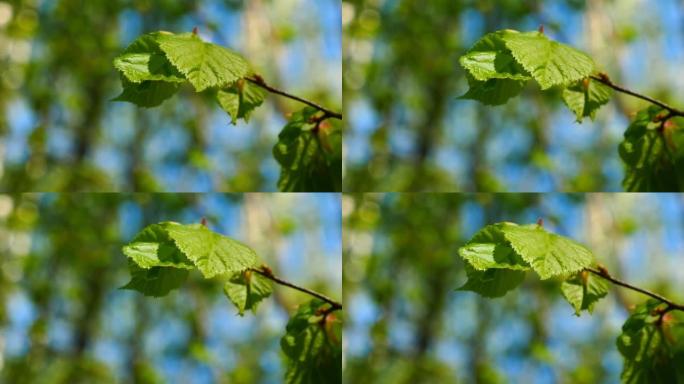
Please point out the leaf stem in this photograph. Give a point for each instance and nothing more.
(604, 79)
(258, 80)
(603, 273)
(267, 273)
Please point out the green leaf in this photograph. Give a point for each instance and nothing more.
(161, 254)
(550, 63)
(583, 290)
(144, 60)
(212, 253)
(148, 93)
(490, 59)
(156, 281)
(495, 282)
(205, 65)
(652, 162)
(649, 357)
(240, 99)
(489, 249)
(246, 289)
(152, 247)
(585, 101)
(493, 91)
(548, 254)
(310, 159)
(312, 346)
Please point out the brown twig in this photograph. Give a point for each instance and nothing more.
(603, 273)
(267, 273)
(259, 81)
(604, 79)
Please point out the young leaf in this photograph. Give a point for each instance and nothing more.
(205, 65)
(492, 91)
(649, 357)
(493, 282)
(152, 247)
(489, 249)
(550, 63)
(144, 60)
(548, 254)
(240, 99)
(246, 289)
(156, 281)
(583, 290)
(148, 93)
(651, 165)
(490, 59)
(213, 254)
(310, 159)
(585, 100)
(313, 351)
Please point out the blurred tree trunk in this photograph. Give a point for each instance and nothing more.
(429, 321)
(261, 228)
(601, 225)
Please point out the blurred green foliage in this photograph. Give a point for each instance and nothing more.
(406, 323)
(408, 131)
(63, 318)
(60, 132)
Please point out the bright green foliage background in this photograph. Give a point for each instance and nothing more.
(59, 130)
(407, 323)
(64, 318)
(409, 131)
(309, 153)
(313, 350)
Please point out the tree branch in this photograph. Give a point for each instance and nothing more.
(604, 79)
(267, 273)
(602, 272)
(259, 81)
